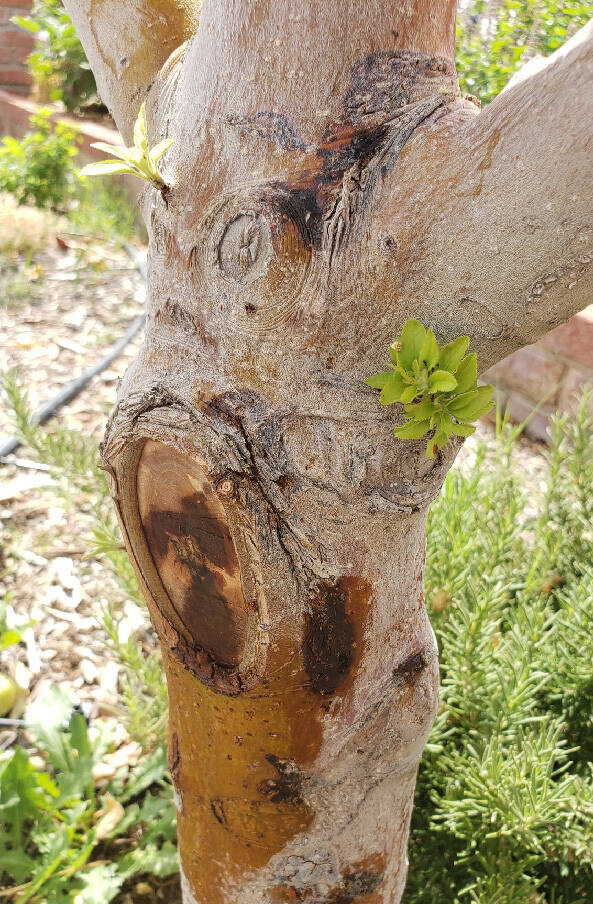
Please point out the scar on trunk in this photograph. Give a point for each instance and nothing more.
(355, 883)
(188, 535)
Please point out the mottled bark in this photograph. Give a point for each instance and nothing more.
(327, 181)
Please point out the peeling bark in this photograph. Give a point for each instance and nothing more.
(326, 182)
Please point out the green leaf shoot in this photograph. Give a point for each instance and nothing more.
(437, 386)
(137, 160)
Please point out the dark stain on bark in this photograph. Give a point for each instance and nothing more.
(384, 81)
(174, 758)
(352, 887)
(201, 664)
(217, 809)
(274, 127)
(287, 787)
(328, 640)
(380, 85)
(412, 666)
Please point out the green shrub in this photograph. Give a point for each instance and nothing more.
(58, 64)
(495, 38)
(504, 805)
(39, 168)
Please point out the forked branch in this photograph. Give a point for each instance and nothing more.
(127, 42)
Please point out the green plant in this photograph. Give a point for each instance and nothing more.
(136, 160)
(66, 839)
(38, 168)
(495, 38)
(74, 465)
(96, 210)
(58, 63)
(504, 804)
(437, 386)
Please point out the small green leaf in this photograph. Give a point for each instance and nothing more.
(114, 150)
(467, 373)
(378, 381)
(463, 429)
(159, 149)
(105, 168)
(412, 430)
(412, 338)
(452, 353)
(140, 136)
(457, 405)
(408, 395)
(445, 428)
(420, 410)
(392, 390)
(429, 353)
(472, 408)
(442, 381)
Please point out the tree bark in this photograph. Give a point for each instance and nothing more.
(327, 181)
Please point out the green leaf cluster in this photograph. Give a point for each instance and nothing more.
(39, 168)
(58, 63)
(504, 803)
(437, 386)
(137, 160)
(495, 38)
(50, 847)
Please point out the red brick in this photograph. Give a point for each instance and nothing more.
(534, 375)
(573, 340)
(14, 76)
(5, 55)
(16, 37)
(521, 409)
(17, 5)
(572, 389)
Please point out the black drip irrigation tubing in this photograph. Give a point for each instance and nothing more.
(71, 389)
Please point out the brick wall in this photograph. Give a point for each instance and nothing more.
(15, 47)
(552, 372)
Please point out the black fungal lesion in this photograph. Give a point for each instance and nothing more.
(287, 786)
(412, 666)
(354, 886)
(217, 809)
(274, 127)
(328, 639)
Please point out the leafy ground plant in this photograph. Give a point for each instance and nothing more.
(39, 168)
(69, 836)
(73, 460)
(504, 806)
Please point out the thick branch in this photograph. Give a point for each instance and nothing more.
(290, 63)
(493, 214)
(127, 43)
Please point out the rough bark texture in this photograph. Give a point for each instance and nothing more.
(327, 182)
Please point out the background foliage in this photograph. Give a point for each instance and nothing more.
(504, 809)
(496, 37)
(58, 64)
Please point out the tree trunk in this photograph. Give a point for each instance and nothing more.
(326, 182)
